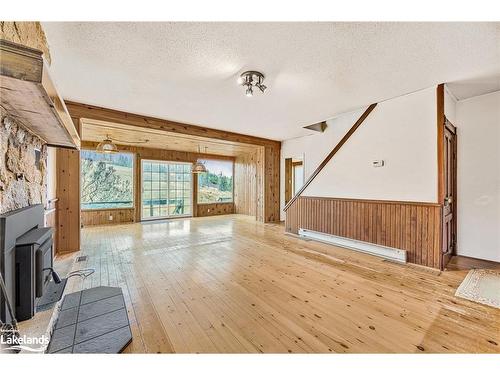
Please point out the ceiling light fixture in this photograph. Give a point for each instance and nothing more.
(251, 79)
(108, 147)
(199, 167)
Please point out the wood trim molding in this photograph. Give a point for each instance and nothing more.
(288, 179)
(440, 123)
(79, 110)
(332, 153)
(429, 204)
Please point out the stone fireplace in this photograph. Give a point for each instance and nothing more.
(23, 161)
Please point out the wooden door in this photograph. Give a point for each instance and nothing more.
(450, 193)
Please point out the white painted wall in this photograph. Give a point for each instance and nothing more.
(402, 133)
(313, 149)
(51, 173)
(478, 127)
(450, 105)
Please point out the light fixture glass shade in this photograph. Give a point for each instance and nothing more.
(107, 146)
(198, 168)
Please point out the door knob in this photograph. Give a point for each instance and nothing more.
(448, 200)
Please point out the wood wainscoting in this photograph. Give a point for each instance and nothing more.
(211, 209)
(101, 217)
(411, 226)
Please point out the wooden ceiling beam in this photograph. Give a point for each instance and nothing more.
(29, 95)
(79, 110)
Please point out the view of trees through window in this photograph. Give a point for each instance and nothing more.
(106, 180)
(216, 185)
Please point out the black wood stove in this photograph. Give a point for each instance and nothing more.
(26, 260)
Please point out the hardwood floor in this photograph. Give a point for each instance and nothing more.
(233, 285)
(458, 263)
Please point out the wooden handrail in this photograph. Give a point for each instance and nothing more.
(332, 153)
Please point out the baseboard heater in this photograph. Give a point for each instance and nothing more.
(391, 253)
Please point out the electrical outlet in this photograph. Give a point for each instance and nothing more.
(110, 217)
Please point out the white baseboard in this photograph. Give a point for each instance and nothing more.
(391, 253)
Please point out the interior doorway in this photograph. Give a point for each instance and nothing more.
(166, 189)
(294, 176)
(450, 192)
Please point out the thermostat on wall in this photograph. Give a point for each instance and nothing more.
(378, 163)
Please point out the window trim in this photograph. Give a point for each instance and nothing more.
(232, 190)
(134, 169)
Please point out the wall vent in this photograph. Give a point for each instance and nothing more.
(82, 258)
(318, 127)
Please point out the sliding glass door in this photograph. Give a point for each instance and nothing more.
(167, 189)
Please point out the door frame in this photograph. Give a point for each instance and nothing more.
(139, 189)
(290, 175)
(446, 256)
(288, 180)
(296, 164)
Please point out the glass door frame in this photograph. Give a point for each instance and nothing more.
(140, 188)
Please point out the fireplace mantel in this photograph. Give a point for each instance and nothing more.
(28, 94)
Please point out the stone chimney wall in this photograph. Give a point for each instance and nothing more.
(23, 156)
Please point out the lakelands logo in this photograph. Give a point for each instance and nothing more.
(11, 341)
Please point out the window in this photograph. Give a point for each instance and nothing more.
(107, 180)
(166, 189)
(216, 185)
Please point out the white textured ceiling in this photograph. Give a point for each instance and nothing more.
(473, 87)
(187, 71)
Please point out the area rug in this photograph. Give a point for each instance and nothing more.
(482, 286)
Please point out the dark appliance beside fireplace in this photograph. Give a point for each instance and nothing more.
(26, 258)
(33, 265)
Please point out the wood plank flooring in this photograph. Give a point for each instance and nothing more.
(229, 284)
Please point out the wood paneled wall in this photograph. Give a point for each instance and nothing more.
(411, 226)
(101, 217)
(250, 191)
(245, 184)
(211, 209)
(268, 153)
(68, 193)
(266, 164)
(271, 196)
